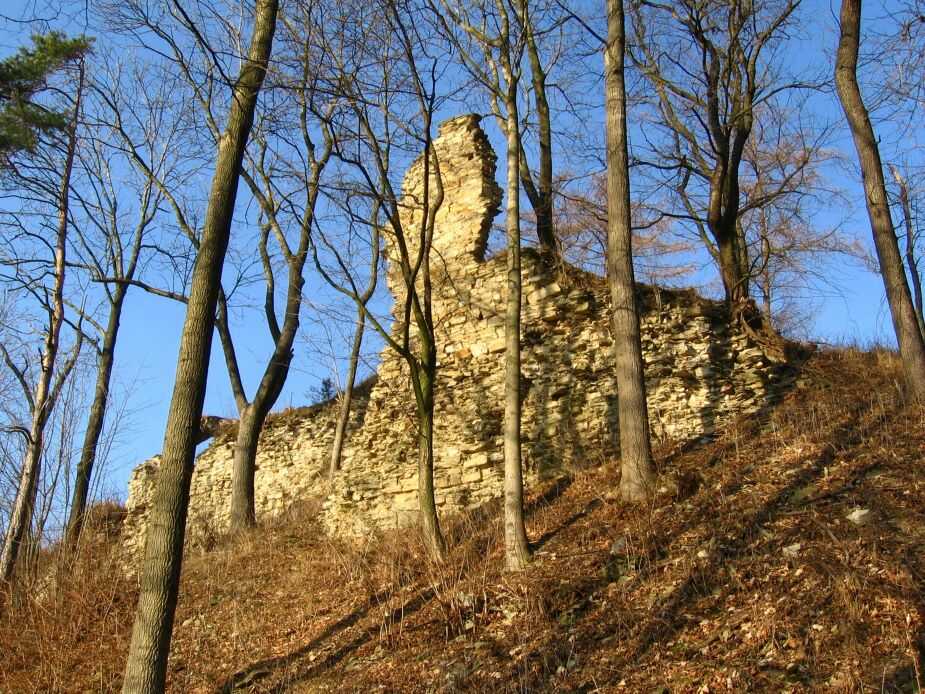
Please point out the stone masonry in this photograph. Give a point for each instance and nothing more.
(700, 372)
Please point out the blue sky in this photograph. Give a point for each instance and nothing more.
(146, 358)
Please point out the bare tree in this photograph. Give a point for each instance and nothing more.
(637, 476)
(908, 334)
(282, 173)
(898, 64)
(111, 240)
(147, 123)
(346, 396)
(388, 102)
(146, 668)
(286, 202)
(659, 255)
(542, 40)
(791, 251)
(493, 42)
(60, 454)
(712, 69)
(538, 187)
(912, 235)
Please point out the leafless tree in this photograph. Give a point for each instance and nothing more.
(894, 74)
(913, 235)
(542, 32)
(379, 62)
(112, 240)
(146, 667)
(908, 334)
(492, 42)
(715, 70)
(659, 255)
(44, 281)
(346, 396)
(283, 170)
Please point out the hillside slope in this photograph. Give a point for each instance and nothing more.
(745, 573)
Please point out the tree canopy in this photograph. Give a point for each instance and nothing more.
(23, 76)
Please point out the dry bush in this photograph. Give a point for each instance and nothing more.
(72, 625)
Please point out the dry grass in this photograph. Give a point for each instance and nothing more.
(72, 634)
(743, 574)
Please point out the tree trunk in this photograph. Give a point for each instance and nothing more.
(636, 476)
(908, 335)
(276, 371)
(426, 494)
(95, 420)
(911, 261)
(44, 396)
(912, 264)
(21, 515)
(250, 424)
(243, 513)
(146, 668)
(253, 415)
(516, 548)
(424, 369)
(735, 281)
(343, 417)
(542, 199)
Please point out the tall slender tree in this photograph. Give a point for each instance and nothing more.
(539, 185)
(114, 221)
(905, 322)
(362, 297)
(537, 23)
(146, 667)
(52, 374)
(635, 449)
(377, 118)
(501, 49)
(912, 261)
(287, 203)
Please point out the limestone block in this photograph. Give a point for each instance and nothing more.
(406, 501)
(475, 460)
(470, 476)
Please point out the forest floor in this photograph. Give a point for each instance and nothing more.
(785, 555)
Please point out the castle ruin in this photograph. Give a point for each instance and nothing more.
(701, 371)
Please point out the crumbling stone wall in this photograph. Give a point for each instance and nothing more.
(289, 439)
(700, 371)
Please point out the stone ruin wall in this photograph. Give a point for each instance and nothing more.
(700, 372)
